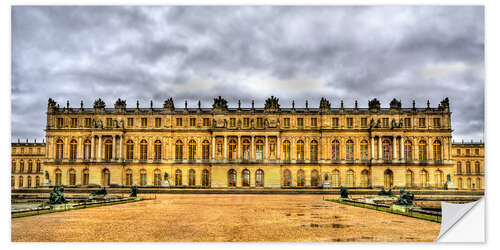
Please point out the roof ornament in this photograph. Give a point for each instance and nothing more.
(428, 104)
(99, 104)
(324, 105)
(395, 104)
(137, 104)
(67, 104)
(81, 104)
(374, 105)
(120, 104)
(239, 105)
(151, 104)
(356, 104)
(220, 104)
(169, 104)
(272, 104)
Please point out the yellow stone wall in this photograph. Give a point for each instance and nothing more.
(22, 155)
(464, 154)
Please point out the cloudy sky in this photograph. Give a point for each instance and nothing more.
(245, 53)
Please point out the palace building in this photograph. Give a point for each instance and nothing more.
(469, 163)
(271, 147)
(27, 159)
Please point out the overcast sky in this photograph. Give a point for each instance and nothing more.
(295, 53)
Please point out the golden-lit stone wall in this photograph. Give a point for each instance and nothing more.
(27, 164)
(468, 158)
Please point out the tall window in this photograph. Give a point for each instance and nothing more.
(407, 122)
(259, 178)
(260, 122)
(21, 184)
(157, 177)
(363, 148)
(349, 122)
(232, 122)
(287, 178)
(37, 181)
(30, 166)
(246, 149)
(143, 178)
(286, 122)
(246, 122)
(88, 122)
(178, 122)
(13, 166)
(130, 122)
(300, 178)
(21, 166)
(72, 177)
(178, 177)
(335, 150)
(246, 178)
(459, 167)
(421, 122)
(467, 167)
(422, 151)
(388, 178)
(12, 181)
(192, 122)
(314, 150)
(179, 146)
(349, 152)
(364, 122)
(144, 122)
(29, 181)
(205, 178)
(437, 150)
(130, 150)
(286, 150)
(259, 150)
(478, 168)
(59, 122)
(350, 178)
(206, 122)
(85, 177)
(365, 178)
(408, 150)
(158, 122)
(231, 178)
(386, 147)
(300, 122)
(192, 177)
(86, 149)
(409, 178)
(314, 122)
(192, 150)
(205, 150)
(335, 122)
(424, 178)
(72, 150)
(106, 177)
(129, 177)
(157, 155)
(385, 122)
(108, 149)
(58, 177)
(59, 149)
(437, 122)
(336, 178)
(232, 150)
(438, 178)
(109, 122)
(300, 150)
(144, 150)
(314, 178)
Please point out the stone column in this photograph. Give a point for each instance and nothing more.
(266, 150)
(80, 148)
(372, 151)
(402, 149)
(213, 147)
(239, 147)
(252, 157)
(92, 146)
(394, 155)
(121, 148)
(225, 147)
(380, 148)
(99, 148)
(113, 148)
(278, 149)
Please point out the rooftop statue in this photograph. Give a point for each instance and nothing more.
(220, 104)
(395, 104)
(120, 104)
(134, 190)
(169, 104)
(324, 105)
(374, 104)
(99, 104)
(272, 104)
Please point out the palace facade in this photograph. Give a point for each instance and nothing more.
(273, 147)
(469, 165)
(26, 166)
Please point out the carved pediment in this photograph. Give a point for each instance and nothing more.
(220, 104)
(272, 122)
(99, 104)
(272, 104)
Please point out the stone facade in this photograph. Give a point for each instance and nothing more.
(26, 165)
(271, 147)
(469, 165)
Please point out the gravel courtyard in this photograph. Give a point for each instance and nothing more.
(202, 217)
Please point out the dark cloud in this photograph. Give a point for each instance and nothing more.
(248, 53)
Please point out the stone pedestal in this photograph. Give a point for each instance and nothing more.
(61, 206)
(450, 186)
(401, 208)
(46, 183)
(165, 183)
(326, 185)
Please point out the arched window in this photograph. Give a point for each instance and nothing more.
(129, 177)
(72, 149)
(12, 181)
(157, 151)
(259, 150)
(21, 166)
(365, 178)
(179, 146)
(409, 178)
(349, 150)
(38, 166)
(245, 146)
(438, 178)
(478, 168)
(363, 149)
(245, 175)
(205, 178)
(58, 177)
(388, 178)
(469, 183)
(13, 166)
(287, 178)
(21, 184)
(232, 150)
(205, 148)
(424, 178)
(460, 183)
(59, 149)
(300, 150)
(157, 177)
(408, 150)
(144, 150)
(85, 177)
(37, 181)
(30, 166)
(437, 150)
(386, 147)
(314, 178)
(143, 177)
(335, 150)
(350, 178)
(130, 150)
(259, 178)
(192, 150)
(106, 177)
(336, 178)
(108, 149)
(219, 143)
(72, 177)
(192, 177)
(178, 177)
(29, 181)
(86, 149)
(286, 150)
(478, 181)
(300, 178)
(314, 150)
(422, 151)
(467, 167)
(459, 167)
(231, 178)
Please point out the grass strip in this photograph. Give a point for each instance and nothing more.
(388, 210)
(32, 213)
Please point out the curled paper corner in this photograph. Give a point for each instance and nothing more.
(453, 213)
